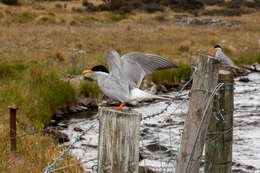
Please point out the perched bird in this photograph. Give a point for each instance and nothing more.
(225, 61)
(126, 73)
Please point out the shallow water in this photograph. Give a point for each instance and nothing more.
(161, 135)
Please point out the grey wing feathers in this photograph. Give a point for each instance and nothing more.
(136, 65)
(149, 62)
(226, 61)
(114, 61)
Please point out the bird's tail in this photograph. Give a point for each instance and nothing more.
(137, 94)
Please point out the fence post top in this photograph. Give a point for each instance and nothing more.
(225, 72)
(13, 107)
(124, 111)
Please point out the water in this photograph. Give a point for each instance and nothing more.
(161, 135)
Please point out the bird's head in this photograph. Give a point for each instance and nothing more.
(98, 68)
(217, 47)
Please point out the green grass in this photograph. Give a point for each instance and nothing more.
(247, 57)
(172, 75)
(89, 88)
(11, 70)
(38, 91)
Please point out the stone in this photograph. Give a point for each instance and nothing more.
(156, 147)
(62, 137)
(77, 129)
(144, 169)
(244, 79)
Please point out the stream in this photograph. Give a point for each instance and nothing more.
(161, 135)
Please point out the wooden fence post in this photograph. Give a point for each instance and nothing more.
(218, 151)
(204, 82)
(118, 148)
(13, 127)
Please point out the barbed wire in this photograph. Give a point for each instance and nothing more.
(35, 132)
(65, 152)
(169, 103)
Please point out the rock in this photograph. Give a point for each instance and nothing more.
(83, 108)
(250, 167)
(62, 137)
(149, 86)
(162, 88)
(73, 109)
(84, 101)
(256, 66)
(156, 147)
(90, 145)
(140, 157)
(244, 79)
(205, 21)
(143, 169)
(77, 129)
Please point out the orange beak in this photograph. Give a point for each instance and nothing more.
(212, 48)
(87, 71)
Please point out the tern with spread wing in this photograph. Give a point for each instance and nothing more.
(126, 73)
(225, 61)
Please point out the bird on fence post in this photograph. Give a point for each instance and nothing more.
(126, 73)
(225, 61)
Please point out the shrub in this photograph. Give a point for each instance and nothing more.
(226, 12)
(235, 4)
(10, 2)
(11, 70)
(89, 6)
(150, 6)
(48, 93)
(213, 2)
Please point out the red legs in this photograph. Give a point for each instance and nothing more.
(119, 107)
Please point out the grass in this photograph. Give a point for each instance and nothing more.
(247, 57)
(173, 75)
(38, 92)
(38, 41)
(89, 89)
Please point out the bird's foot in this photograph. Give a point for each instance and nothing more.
(119, 107)
(221, 68)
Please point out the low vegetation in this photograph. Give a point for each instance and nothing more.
(89, 89)
(173, 75)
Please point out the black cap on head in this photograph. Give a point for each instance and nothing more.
(217, 46)
(100, 68)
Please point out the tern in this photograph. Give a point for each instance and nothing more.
(123, 79)
(225, 61)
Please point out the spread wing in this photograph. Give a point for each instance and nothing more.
(114, 62)
(135, 65)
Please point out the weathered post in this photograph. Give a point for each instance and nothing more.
(218, 148)
(13, 127)
(118, 148)
(204, 82)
